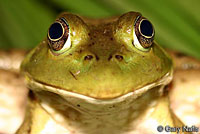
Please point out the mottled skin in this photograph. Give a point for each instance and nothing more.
(102, 84)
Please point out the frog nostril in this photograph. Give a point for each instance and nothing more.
(110, 57)
(88, 57)
(97, 58)
(119, 57)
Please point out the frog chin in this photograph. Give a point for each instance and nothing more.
(90, 104)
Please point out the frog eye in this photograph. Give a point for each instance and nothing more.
(59, 36)
(143, 34)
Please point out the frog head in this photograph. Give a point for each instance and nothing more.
(101, 58)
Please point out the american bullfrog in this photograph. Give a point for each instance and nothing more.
(98, 76)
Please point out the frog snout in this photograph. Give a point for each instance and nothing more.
(90, 57)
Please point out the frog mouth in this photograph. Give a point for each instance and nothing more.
(36, 85)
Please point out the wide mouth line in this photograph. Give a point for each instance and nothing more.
(63, 92)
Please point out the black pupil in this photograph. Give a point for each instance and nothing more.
(55, 31)
(146, 28)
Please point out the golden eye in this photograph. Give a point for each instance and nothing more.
(59, 36)
(143, 34)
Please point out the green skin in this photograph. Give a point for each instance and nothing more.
(116, 91)
(102, 76)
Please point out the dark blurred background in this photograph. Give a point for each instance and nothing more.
(24, 23)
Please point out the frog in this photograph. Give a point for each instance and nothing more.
(99, 76)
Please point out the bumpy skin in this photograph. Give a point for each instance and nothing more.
(101, 95)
